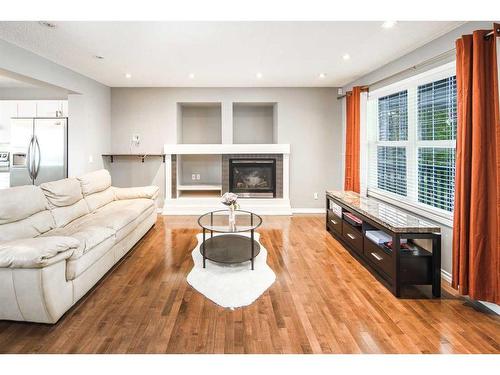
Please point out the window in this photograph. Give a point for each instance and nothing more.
(411, 134)
(393, 117)
(392, 128)
(437, 121)
(436, 175)
(437, 110)
(391, 169)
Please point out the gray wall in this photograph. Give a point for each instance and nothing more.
(429, 51)
(308, 118)
(89, 110)
(200, 124)
(253, 123)
(209, 167)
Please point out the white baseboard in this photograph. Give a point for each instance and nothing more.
(491, 306)
(308, 210)
(446, 275)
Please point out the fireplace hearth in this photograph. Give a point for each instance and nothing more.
(253, 178)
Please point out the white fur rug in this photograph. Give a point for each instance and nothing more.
(234, 285)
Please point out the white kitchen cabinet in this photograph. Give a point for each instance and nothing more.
(49, 108)
(26, 108)
(64, 106)
(8, 109)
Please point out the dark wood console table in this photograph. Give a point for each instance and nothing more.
(399, 264)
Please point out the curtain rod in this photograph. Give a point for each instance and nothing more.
(409, 69)
(492, 32)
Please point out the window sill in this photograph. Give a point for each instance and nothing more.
(429, 214)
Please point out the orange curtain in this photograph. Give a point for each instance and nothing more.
(476, 224)
(351, 181)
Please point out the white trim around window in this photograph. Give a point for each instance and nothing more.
(370, 128)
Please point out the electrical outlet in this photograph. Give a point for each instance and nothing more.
(315, 195)
(193, 177)
(198, 176)
(136, 139)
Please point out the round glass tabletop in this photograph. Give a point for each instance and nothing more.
(218, 221)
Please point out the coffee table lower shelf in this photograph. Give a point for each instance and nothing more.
(229, 249)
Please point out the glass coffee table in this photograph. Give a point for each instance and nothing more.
(232, 247)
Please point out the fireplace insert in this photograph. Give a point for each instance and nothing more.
(253, 178)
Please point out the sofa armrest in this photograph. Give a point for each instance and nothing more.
(149, 192)
(36, 252)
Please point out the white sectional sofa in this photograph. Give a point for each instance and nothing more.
(57, 240)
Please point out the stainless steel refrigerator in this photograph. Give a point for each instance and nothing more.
(39, 150)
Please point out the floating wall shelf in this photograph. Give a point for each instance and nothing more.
(141, 156)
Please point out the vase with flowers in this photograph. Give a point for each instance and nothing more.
(230, 200)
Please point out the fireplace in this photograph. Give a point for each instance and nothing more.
(253, 178)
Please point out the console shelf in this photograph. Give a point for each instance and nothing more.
(395, 266)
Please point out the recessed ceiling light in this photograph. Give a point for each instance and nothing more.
(47, 24)
(346, 56)
(322, 75)
(259, 75)
(128, 75)
(389, 24)
(98, 57)
(191, 75)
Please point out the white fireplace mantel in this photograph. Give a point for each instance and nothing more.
(207, 149)
(200, 205)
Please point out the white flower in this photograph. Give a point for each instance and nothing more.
(229, 198)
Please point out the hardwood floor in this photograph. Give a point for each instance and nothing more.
(323, 301)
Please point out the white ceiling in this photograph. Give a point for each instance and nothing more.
(222, 54)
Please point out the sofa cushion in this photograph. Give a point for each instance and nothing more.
(150, 192)
(65, 200)
(75, 267)
(19, 202)
(97, 200)
(62, 193)
(88, 234)
(32, 226)
(119, 214)
(127, 229)
(36, 252)
(95, 182)
(65, 215)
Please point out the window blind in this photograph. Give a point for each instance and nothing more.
(393, 117)
(391, 169)
(437, 110)
(436, 175)
(411, 136)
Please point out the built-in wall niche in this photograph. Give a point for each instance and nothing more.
(199, 175)
(254, 123)
(199, 123)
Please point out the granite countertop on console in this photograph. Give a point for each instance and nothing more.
(388, 215)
